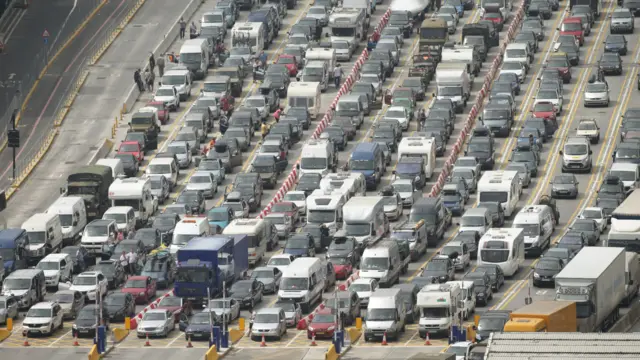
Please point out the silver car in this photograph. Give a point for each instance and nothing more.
(259, 102)
(319, 12)
(269, 322)
(373, 79)
(229, 307)
(283, 224)
(160, 187)
(190, 136)
(156, 322)
(564, 186)
(292, 311)
(182, 151)
(215, 167)
(344, 49)
(205, 182)
(523, 172)
(269, 276)
(407, 190)
(469, 177)
(8, 308)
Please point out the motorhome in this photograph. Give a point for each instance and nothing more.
(538, 224)
(348, 25)
(318, 156)
(420, 146)
(303, 282)
(382, 262)
(188, 228)
(252, 34)
(134, 192)
(625, 224)
(453, 82)
(73, 217)
(364, 219)
(326, 55)
(305, 94)
(503, 247)
(440, 307)
(500, 186)
(325, 209)
(468, 296)
(386, 313)
(261, 235)
(349, 183)
(45, 235)
(195, 56)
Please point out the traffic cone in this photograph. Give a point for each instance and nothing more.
(75, 340)
(263, 343)
(427, 340)
(26, 341)
(313, 339)
(189, 344)
(147, 343)
(384, 339)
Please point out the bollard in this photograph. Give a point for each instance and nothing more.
(359, 323)
(127, 323)
(241, 324)
(10, 324)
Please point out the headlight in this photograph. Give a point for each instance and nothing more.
(74, 326)
(331, 328)
(536, 275)
(141, 294)
(160, 328)
(311, 329)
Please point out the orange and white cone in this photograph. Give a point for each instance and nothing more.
(189, 344)
(384, 339)
(147, 343)
(427, 341)
(263, 343)
(75, 340)
(313, 339)
(26, 341)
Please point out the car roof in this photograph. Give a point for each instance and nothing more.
(43, 305)
(269, 310)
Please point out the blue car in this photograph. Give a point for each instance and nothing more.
(220, 217)
(161, 268)
(199, 326)
(530, 134)
(300, 245)
(458, 4)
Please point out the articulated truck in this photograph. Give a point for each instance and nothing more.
(595, 281)
(544, 316)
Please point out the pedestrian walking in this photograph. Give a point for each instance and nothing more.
(160, 64)
(263, 58)
(193, 31)
(124, 261)
(138, 80)
(183, 27)
(132, 259)
(337, 75)
(147, 80)
(264, 130)
(276, 115)
(152, 62)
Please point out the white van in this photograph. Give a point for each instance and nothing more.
(382, 262)
(629, 174)
(305, 94)
(385, 315)
(303, 282)
(188, 228)
(538, 224)
(124, 216)
(117, 168)
(262, 236)
(195, 56)
(476, 219)
(45, 235)
(73, 217)
(57, 268)
(318, 156)
(180, 78)
(134, 192)
(518, 52)
(166, 167)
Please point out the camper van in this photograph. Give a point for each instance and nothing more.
(303, 281)
(134, 192)
(382, 262)
(186, 229)
(45, 235)
(305, 94)
(318, 156)
(195, 56)
(73, 217)
(364, 219)
(262, 236)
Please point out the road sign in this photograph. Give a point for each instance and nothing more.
(45, 33)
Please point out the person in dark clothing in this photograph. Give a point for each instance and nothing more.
(152, 62)
(160, 64)
(138, 79)
(438, 5)
(183, 27)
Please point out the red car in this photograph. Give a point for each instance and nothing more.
(143, 288)
(290, 62)
(544, 110)
(342, 266)
(176, 305)
(163, 111)
(573, 26)
(323, 325)
(496, 18)
(287, 208)
(133, 148)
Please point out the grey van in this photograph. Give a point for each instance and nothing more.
(352, 106)
(435, 215)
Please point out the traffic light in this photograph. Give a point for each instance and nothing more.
(14, 138)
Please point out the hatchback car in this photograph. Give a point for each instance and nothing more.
(611, 63)
(495, 274)
(596, 214)
(616, 44)
(203, 181)
(564, 186)
(269, 277)
(589, 228)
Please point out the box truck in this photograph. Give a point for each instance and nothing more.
(544, 316)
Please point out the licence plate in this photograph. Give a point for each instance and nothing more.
(84, 331)
(320, 332)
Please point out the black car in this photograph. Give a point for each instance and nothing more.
(269, 169)
(129, 163)
(150, 237)
(337, 135)
(616, 44)
(300, 113)
(386, 135)
(87, 321)
(79, 256)
(572, 53)
(345, 247)
(491, 321)
(481, 286)
(559, 253)
(373, 66)
(113, 271)
(471, 238)
(277, 82)
(589, 227)
(165, 223)
(440, 270)
(611, 63)
(320, 233)
(120, 305)
(403, 20)
(545, 271)
(346, 124)
(283, 130)
(309, 182)
(161, 267)
(194, 199)
(495, 274)
(247, 292)
(411, 168)
(573, 241)
(496, 210)
(612, 187)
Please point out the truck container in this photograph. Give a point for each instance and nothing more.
(625, 224)
(235, 266)
(546, 315)
(198, 276)
(92, 183)
(595, 280)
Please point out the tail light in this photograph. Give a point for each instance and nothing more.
(282, 155)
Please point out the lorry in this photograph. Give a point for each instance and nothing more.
(198, 277)
(434, 33)
(441, 306)
(625, 224)
(235, 266)
(454, 83)
(91, 183)
(632, 269)
(595, 280)
(544, 316)
(595, 5)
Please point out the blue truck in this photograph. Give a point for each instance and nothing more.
(13, 243)
(235, 266)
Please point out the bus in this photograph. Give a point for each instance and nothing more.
(503, 247)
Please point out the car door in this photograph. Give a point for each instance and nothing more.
(235, 309)
(57, 314)
(277, 276)
(102, 284)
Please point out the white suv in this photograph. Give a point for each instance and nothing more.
(57, 268)
(90, 283)
(43, 318)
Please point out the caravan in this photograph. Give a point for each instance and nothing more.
(303, 282)
(500, 186)
(134, 192)
(326, 55)
(73, 217)
(195, 56)
(252, 34)
(422, 147)
(306, 95)
(503, 247)
(364, 219)
(262, 236)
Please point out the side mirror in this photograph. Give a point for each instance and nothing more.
(560, 152)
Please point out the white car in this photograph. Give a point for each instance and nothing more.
(57, 268)
(259, 102)
(564, 39)
(460, 349)
(229, 307)
(298, 198)
(514, 67)
(551, 96)
(156, 322)
(280, 261)
(589, 129)
(90, 284)
(43, 319)
(399, 113)
(596, 94)
(168, 95)
(596, 214)
(205, 182)
(364, 288)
